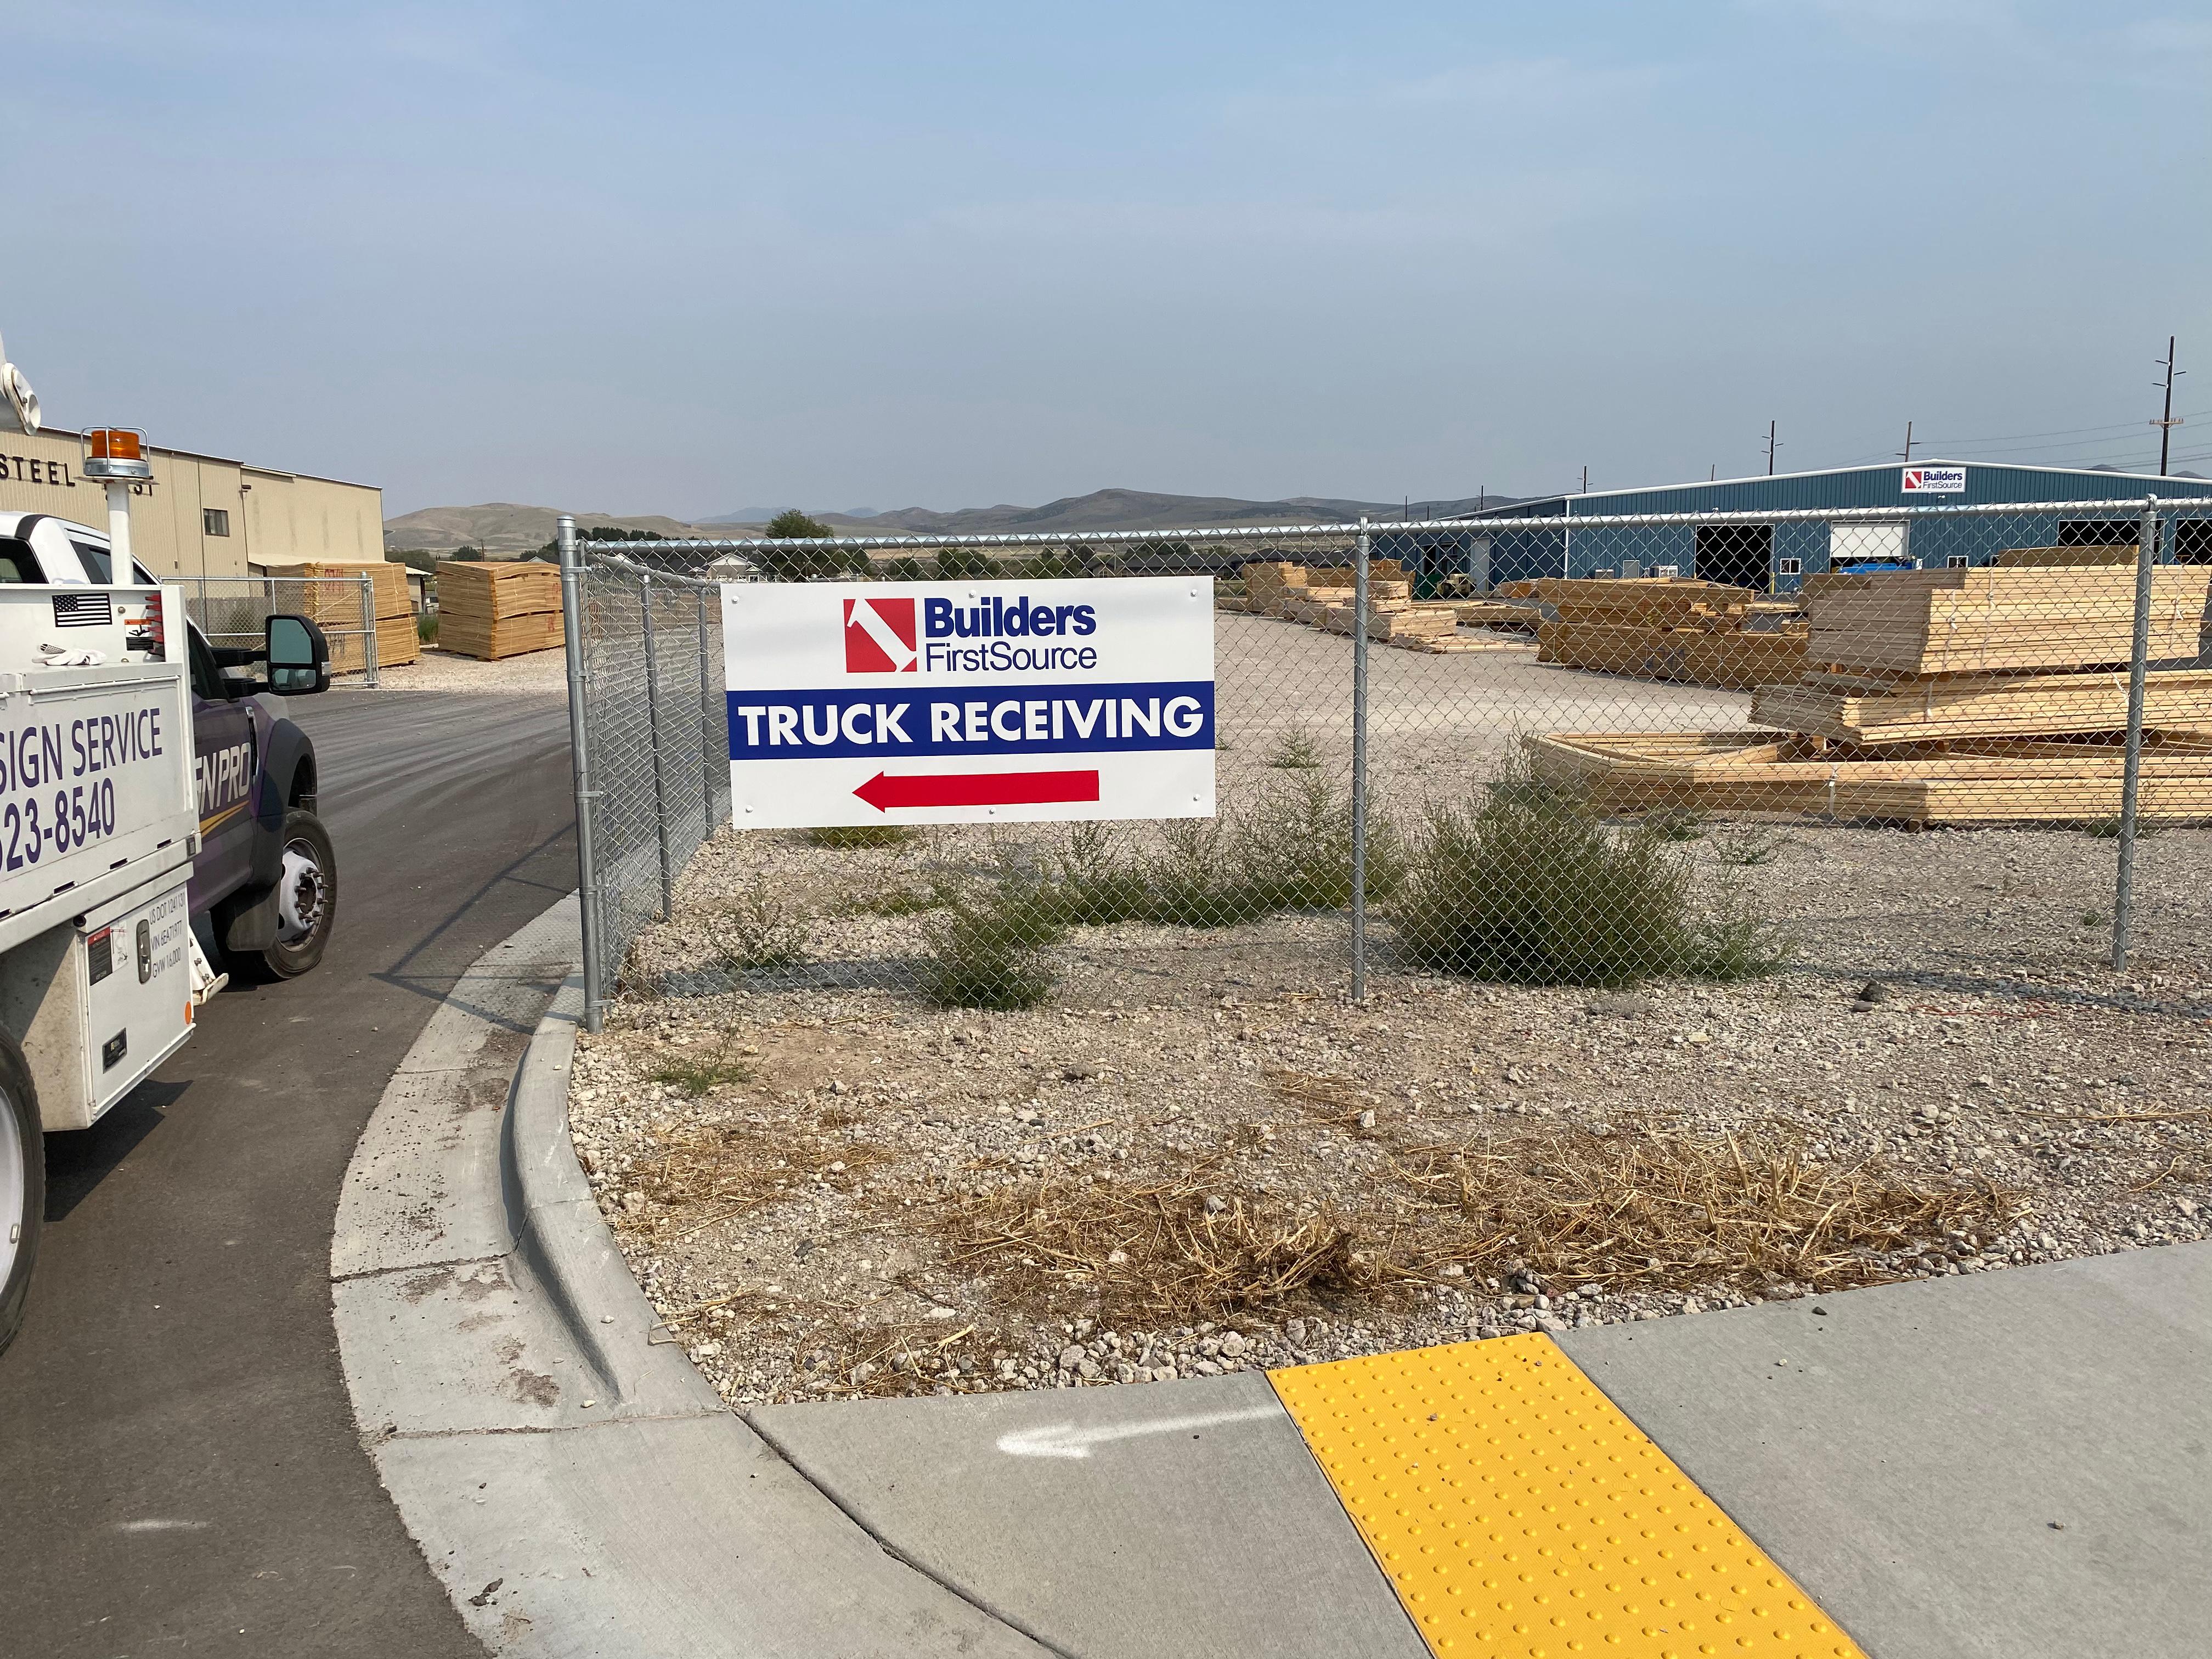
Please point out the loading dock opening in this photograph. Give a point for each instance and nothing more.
(1739, 555)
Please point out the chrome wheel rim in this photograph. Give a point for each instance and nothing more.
(301, 894)
(13, 1180)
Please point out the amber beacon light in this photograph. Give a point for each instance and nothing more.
(117, 456)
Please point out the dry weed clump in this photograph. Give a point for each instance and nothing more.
(880, 1359)
(1158, 1250)
(1646, 1210)
(726, 1170)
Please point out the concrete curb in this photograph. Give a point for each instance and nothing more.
(561, 1238)
(579, 1490)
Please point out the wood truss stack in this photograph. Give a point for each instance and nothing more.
(1944, 696)
(1325, 598)
(331, 599)
(1665, 628)
(495, 611)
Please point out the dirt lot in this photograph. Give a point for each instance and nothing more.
(1198, 1156)
(447, 670)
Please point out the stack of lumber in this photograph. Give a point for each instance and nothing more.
(1394, 618)
(1976, 621)
(1502, 615)
(2015, 557)
(1327, 598)
(493, 610)
(1868, 709)
(1994, 780)
(1266, 585)
(1733, 659)
(1935, 702)
(336, 610)
(1666, 628)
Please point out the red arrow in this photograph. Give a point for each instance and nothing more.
(978, 789)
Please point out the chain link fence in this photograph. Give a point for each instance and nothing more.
(233, 612)
(1958, 743)
(650, 727)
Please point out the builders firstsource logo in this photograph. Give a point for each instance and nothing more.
(991, 634)
(1934, 480)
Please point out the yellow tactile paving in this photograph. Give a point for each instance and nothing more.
(1519, 1513)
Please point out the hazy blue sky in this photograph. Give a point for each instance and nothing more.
(686, 258)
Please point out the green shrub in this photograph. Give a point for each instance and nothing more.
(1749, 844)
(426, 627)
(1094, 884)
(988, 951)
(701, 1074)
(845, 837)
(1200, 878)
(1527, 886)
(760, 931)
(1295, 751)
(1289, 849)
(903, 900)
(1295, 841)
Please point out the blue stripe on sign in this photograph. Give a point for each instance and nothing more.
(884, 720)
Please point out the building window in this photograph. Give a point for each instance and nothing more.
(214, 521)
(1789, 568)
(1957, 560)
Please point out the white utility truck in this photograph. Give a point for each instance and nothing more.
(100, 823)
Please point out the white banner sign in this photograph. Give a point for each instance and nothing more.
(968, 702)
(1934, 480)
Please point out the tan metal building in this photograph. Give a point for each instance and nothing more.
(200, 515)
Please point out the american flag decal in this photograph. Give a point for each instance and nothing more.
(92, 610)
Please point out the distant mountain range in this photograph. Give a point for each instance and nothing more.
(507, 529)
(1126, 509)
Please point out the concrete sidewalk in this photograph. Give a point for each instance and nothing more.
(1902, 1455)
(2015, 1464)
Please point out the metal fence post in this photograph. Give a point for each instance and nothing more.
(580, 752)
(653, 738)
(706, 721)
(1359, 768)
(2123, 894)
(368, 630)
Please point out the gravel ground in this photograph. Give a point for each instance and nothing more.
(446, 670)
(1199, 1156)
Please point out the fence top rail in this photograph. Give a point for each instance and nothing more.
(2107, 507)
(353, 582)
(600, 561)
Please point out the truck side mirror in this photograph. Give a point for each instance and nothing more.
(299, 656)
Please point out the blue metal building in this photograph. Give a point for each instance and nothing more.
(1777, 557)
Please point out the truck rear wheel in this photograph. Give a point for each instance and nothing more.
(23, 1185)
(306, 897)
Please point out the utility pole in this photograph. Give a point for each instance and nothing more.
(2165, 422)
(1585, 480)
(1770, 448)
(1906, 452)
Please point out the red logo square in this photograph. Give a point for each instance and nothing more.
(879, 636)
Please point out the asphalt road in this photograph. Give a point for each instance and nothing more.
(178, 1469)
